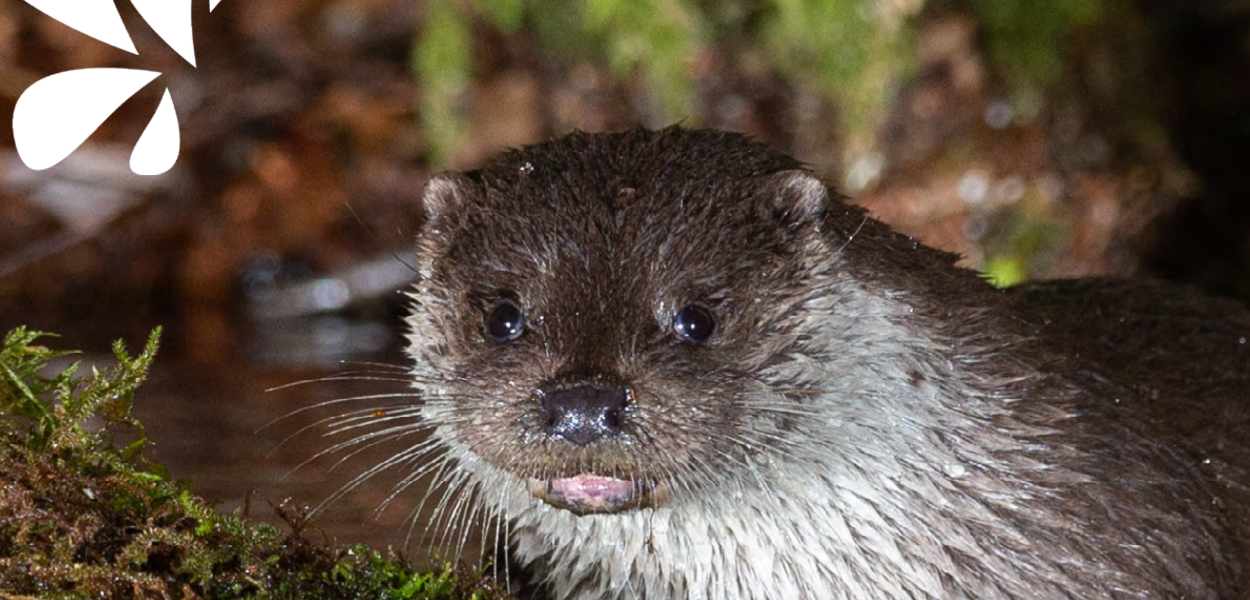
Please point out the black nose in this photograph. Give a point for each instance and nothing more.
(584, 414)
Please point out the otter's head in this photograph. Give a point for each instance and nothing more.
(610, 318)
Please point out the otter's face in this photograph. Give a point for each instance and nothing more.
(601, 322)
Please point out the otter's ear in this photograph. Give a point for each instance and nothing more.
(799, 195)
(446, 192)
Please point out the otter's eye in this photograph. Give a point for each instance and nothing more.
(505, 322)
(694, 323)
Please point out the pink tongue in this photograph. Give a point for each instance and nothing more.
(593, 490)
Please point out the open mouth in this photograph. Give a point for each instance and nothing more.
(594, 494)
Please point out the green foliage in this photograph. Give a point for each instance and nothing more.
(443, 62)
(852, 53)
(1028, 40)
(1006, 271)
(504, 14)
(1029, 237)
(658, 38)
(848, 50)
(81, 518)
(653, 38)
(361, 572)
(52, 411)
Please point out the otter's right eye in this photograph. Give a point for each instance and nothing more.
(505, 322)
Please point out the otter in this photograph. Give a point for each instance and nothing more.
(675, 364)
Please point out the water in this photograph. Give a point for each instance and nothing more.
(215, 426)
(243, 448)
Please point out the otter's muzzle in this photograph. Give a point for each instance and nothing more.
(584, 414)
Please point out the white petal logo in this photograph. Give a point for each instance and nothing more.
(171, 21)
(55, 116)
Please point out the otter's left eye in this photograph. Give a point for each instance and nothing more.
(694, 323)
(505, 322)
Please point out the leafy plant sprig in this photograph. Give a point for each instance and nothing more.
(56, 409)
(81, 518)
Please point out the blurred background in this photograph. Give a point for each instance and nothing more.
(1055, 138)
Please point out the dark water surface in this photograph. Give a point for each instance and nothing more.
(246, 448)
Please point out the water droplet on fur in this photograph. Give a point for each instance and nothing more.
(955, 470)
(527, 168)
(1241, 341)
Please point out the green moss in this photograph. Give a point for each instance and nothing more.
(442, 61)
(1031, 41)
(853, 54)
(1005, 271)
(1032, 234)
(656, 40)
(81, 516)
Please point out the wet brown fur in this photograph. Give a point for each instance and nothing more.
(1103, 423)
